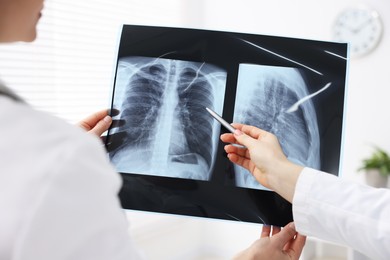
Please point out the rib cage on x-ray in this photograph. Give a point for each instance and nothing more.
(264, 93)
(162, 102)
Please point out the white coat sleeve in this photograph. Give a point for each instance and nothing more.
(355, 215)
(77, 215)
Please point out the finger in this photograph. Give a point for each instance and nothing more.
(234, 158)
(241, 161)
(115, 140)
(101, 126)
(89, 122)
(296, 246)
(114, 123)
(284, 236)
(252, 131)
(244, 139)
(237, 125)
(240, 151)
(265, 231)
(240, 156)
(275, 230)
(228, 138)
(113, 112)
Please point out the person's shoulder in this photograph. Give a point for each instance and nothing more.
(40, 146)
(29, 135)
(22, 122)
(23, 116)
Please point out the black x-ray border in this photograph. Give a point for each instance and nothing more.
(219, 198)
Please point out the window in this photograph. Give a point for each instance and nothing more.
(68, 71)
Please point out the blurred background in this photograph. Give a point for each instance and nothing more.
(68, 71)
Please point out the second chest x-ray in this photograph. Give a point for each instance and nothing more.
(166, 145)
(266, 98)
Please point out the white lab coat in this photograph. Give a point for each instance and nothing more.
(58, 192)
(343, 212)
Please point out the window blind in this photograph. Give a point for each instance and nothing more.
(68, 71)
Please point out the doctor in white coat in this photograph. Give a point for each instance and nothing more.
(324, 206)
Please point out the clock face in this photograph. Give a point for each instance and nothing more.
(360, 27)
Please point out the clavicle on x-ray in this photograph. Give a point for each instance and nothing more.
(162, 103)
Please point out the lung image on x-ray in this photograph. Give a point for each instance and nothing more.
(162, 104)
(265, 96)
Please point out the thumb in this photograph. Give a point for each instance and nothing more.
(285, 235)
(101, 126)
(243, 138)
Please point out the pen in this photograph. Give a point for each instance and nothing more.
(221, 120)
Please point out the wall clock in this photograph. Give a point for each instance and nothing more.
(359, 26)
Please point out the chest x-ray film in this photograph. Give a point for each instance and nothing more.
(166, 145)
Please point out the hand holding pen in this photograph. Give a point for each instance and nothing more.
(260, 153)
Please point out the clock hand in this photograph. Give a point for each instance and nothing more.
(361, 26)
